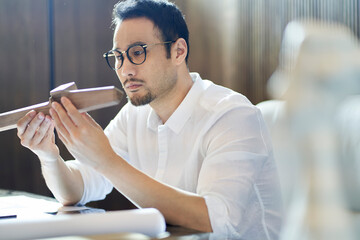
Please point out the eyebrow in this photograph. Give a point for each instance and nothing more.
(131, 45)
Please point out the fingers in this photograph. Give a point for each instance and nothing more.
(71, 125)
(60, 128)
(42, 133)
(24, 122)
(72, 112)
(33, 128)
(49, 135)
(68, 117)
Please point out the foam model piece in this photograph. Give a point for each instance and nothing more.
(84, 100)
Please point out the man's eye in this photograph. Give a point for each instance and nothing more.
(138, 53)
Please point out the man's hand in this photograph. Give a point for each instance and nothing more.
(82, 136)
(36, 132)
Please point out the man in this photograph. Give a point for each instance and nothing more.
(197, 152)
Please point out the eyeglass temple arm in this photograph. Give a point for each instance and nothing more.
(108, 55)
(84, 100)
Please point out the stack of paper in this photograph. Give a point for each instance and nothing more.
(23, 217)
(145, 221)
(23, 206)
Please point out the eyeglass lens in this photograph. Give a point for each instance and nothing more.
(136, 54)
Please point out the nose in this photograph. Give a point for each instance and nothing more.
(128, 68)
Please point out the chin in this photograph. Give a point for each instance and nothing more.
(141, 100)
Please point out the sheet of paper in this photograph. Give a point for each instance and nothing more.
(145, 221)
(21, 206)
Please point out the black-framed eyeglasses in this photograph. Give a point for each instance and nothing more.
(136, 55)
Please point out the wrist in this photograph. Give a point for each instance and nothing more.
(47, 160)
(110, 163)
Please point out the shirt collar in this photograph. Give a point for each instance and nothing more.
(183, 112)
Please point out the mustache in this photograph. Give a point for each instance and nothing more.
(133, 80)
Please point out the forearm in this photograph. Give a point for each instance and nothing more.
(63, 181)
(178, 207)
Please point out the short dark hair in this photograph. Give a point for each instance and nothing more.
(165, 15)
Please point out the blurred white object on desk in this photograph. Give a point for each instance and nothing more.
(319, 68)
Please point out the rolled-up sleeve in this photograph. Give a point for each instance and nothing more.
(96, 186)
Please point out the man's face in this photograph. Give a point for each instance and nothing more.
(154, 78)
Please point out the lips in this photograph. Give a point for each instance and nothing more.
(133, 85)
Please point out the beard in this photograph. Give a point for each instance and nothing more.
(143, 100)
(140, 100)
(151, 94)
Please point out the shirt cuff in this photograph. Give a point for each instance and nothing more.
(217, 214)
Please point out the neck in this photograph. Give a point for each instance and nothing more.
(166, 105)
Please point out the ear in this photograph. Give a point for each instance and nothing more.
(179, 51)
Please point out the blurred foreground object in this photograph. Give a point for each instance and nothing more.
(84, 100)
(319, 68)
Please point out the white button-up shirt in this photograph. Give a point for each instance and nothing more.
(216, 145)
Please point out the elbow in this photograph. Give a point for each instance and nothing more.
(66, 201)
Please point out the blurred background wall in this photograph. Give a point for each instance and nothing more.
(45, 43)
